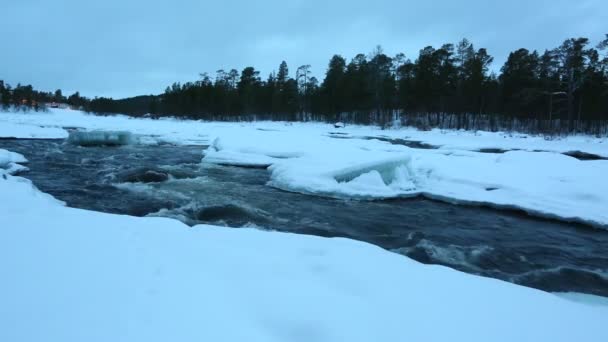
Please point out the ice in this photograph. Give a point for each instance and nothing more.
(387, 170)
(547, 184)
(378, 178)
(363, 174)
(76, 275)
(544, 184)
(101, 138)
(216, 154)
(9, 162)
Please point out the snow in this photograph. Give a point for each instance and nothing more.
(9, 162)
(217, 155)
(76, 275)
(316, 158)
(29, 131)
(584, 298)
(477, 140)
(54, 122)
(546, 184)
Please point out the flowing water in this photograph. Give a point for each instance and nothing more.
(170, 181)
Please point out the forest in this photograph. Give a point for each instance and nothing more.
(558, 91)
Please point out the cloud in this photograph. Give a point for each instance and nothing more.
(125, 48)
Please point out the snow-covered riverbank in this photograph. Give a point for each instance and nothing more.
(74, 275)
(526, 172)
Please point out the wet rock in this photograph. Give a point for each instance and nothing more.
(146, 176)
(231, 214)
(493, 150)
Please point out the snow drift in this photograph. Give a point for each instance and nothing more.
(76, 275)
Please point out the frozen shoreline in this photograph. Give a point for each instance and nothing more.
(74, 275)
(308, 158)
(546, 184)
(53, 124)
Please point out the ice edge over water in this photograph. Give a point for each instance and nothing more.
(457, 177)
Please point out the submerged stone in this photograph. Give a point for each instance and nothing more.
(146, 176)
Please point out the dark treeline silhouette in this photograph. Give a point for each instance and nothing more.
(562, 90)
(26, 97)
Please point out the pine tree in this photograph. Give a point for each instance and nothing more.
(332, 88)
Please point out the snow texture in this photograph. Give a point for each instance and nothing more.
(76, 275)
(28, 130)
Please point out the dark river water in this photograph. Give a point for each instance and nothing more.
(171, 181)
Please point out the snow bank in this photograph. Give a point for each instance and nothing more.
(319, 159)
(20, 130)
(216, 154)
(541, 183)
(480, 140)
(9, 162)
(76, 275)
(55, 122)
(545, 184)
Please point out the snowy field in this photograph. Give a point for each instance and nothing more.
(76, 275)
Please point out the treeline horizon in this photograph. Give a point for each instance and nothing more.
(562, 90)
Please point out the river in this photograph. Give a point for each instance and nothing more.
(171, 181)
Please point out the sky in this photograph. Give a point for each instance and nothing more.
(122, 48)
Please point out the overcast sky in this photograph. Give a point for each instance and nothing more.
(124, 48)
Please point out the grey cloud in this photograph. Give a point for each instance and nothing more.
(125, 48)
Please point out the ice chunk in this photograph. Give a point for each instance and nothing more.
(216, 154)
(389, 171)
(9, 162)
(386, 178)
(101, 138)
(7, 157)
(235, 158)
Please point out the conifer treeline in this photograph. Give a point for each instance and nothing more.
(26, 97)
(560, 90)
